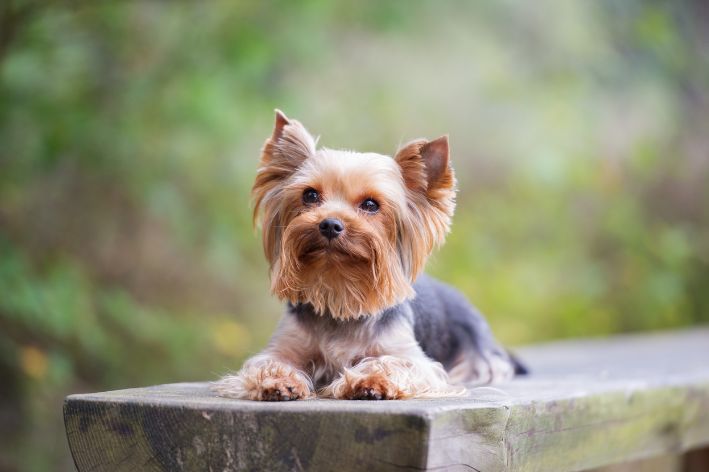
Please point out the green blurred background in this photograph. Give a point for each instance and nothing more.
(130, 133)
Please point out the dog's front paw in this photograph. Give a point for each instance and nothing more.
(372, 379)
(373, 387)
(280, 389)
(272, 381)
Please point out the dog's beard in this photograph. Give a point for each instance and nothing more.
(354, 275)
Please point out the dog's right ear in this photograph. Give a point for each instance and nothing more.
(287, 148)
(282, 154)
(290, 143)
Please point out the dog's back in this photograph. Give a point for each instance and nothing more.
(453, 332)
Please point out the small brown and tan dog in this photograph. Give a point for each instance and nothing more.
(347, 236)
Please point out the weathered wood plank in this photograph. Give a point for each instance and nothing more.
(587, 404)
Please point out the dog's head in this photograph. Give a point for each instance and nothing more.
(349, 232)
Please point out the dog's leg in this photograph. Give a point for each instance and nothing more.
(399, 370)
(277, 373)
(482, 359)
(392, 378)
(453, 331)
(482, 367)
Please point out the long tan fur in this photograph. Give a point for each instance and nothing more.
(355, 277)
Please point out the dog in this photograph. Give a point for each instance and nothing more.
(347, 236)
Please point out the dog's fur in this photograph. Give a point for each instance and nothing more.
(362, 322)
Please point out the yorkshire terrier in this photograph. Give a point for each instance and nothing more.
(347, 236)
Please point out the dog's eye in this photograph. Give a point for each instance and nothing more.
(311, 196)
(369, 205)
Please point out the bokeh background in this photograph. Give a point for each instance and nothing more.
(130, 132)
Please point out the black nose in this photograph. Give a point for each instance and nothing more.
(331, 227)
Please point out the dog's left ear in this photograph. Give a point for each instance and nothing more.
(425, 167)
(430, 187)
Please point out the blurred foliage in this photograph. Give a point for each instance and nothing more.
(130, 133)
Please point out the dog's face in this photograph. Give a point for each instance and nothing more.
(349, 232)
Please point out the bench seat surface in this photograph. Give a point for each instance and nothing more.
(587, 403)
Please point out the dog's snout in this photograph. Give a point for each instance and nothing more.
(331, 227)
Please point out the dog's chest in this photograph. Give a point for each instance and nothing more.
(341, 346)
(336, 345)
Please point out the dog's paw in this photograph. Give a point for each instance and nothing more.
(373, 387)
(480, 369)
(282, 389)
(392, 378)
(367, 381)
(271, 382)
(492, 368)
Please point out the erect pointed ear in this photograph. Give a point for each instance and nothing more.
(430, 188)
(290, 142)
(425, 166)
(435, 157)
(281, 121)
(288, 147)
(283, 153)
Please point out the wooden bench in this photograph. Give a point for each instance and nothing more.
(587, 404)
